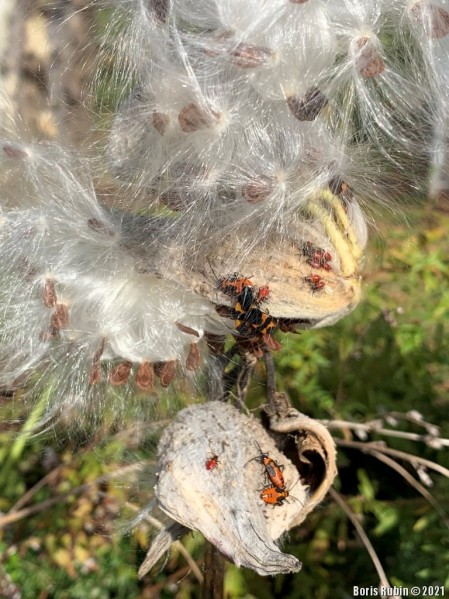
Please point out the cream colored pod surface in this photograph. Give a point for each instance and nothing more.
(226, 502)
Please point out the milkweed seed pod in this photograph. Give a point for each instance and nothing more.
(262, 127)
(234, 505)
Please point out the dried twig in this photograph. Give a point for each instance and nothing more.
(379, 447)
(363, 536)
(414, 483)
(376, 426)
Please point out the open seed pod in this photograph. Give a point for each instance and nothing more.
(303, 285)
(212, 478)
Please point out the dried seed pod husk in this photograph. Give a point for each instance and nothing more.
(160, 545)
(311, 448)
(225, 503)
(336, 225)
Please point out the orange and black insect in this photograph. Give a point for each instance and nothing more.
(274, 496)
(272, 469)
(242, 290)
(315, 282)
(212, 462)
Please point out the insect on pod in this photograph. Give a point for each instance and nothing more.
(212, 462)
(315, 282)
(272, 469)
(274, 496)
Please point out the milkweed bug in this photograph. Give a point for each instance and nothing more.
(315, 281)
(276, 496)
(272, 469)
(316, 256)
(212, 462)
(273, 495)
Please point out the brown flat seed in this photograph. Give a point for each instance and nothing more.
(60, 317)
(366, 58)
(160, 122)
(97, 225)
(339, 187)
(298, 1)
(309, 106)
(145, 376)
(160, 8)
(257, 191)
(166, 371)
(174, 200)
(95, 373)
(192, 118)
(13, 151)
(433, 18)
(248, 56)
(49, 293)
(188, 330)
(194, 357)
(120, 373)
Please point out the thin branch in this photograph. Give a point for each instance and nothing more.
(375, 426)
(414, 483)
(25, 498)
(15, 516)
(409, 457)
(363, 536)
